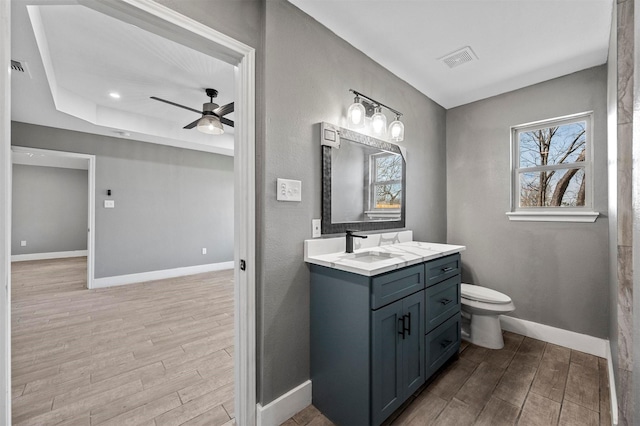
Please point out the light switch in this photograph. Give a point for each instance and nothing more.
(315, 228)
(289, 190)
(109, 204)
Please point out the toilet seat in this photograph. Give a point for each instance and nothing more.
(483, 294)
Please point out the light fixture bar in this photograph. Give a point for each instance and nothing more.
(370, 99)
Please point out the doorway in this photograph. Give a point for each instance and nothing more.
(59, 162)
(169, 24)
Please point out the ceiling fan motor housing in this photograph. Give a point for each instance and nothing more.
(208, 108)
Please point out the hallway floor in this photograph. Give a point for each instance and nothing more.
(528, 382)
(154, 354)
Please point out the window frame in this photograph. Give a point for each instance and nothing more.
(553, 213)
(372, 210)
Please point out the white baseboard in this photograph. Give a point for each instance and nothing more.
(283, 408)
(160, 275)
(51, 255)
(558, 336)
(612, 388)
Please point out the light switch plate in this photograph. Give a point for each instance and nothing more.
(109, 204)
(289, 190)
(315, 228)
(23, 243)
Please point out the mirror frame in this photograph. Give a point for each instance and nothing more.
(331, 137)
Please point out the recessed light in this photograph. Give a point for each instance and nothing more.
(114, 95)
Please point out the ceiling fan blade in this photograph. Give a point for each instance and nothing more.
(226, 121)
(224, 110)
(192, 125)
(175, 104)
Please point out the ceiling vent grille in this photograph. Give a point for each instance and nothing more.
(17, 66)
(459, 57)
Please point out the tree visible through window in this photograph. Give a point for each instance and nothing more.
(551, 164)
(386, 185)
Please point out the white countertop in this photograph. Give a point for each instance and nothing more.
(375, 257)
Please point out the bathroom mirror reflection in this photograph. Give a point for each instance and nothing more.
(363, 182)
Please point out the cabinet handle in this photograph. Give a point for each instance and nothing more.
(445, 343)
(402, 327)
(448, 269)
(407, 329)
(446, 301)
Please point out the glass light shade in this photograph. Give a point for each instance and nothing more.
(396, 130)
(379, 123)
(210, 124)
(356, 114)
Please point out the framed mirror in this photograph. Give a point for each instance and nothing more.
(363, 182)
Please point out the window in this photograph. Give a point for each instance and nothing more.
(551, 172)
(385, 188)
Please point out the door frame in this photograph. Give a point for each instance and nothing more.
(91, 197)
(172, 25)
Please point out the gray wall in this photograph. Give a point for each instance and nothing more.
(169, 202)
(556, 273)
(307, 76)
(49, 209)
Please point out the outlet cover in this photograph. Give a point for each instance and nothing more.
(289, 190)
(23, 243)
(315, 228)
(109, 204)
(204, 250)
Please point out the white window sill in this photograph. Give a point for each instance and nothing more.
(550, 216)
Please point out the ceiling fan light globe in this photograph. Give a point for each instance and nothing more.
(211, 125)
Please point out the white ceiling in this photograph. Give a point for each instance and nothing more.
(77, 56)
(517, 42)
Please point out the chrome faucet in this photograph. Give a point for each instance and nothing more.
(350, 237)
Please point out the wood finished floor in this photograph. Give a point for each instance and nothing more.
(528, 382)
(153, 354)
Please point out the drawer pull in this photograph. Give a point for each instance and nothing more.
(407, 329)
(402, 327)
(448, 269)
(445, 343)
(446, 301)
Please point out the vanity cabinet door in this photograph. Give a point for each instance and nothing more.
(398, 351)
(386, 361)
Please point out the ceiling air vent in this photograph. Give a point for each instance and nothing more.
(459, 57)
(21, 67)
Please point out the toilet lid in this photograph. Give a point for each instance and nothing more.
(483, 294)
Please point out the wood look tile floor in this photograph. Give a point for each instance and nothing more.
(528, 382)
(154, 354)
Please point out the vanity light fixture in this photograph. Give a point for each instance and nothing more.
(365, 106)
(396, 130)
(379, 123)
(356, 114)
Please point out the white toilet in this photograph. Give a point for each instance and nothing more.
(480, 309)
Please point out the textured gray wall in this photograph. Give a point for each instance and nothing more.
(307, 76)
(556, 273)
(49, 209)
(169, 202)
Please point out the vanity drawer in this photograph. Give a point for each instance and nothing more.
(395, 285)
(443, 268)
(443, 300)
(442, 343)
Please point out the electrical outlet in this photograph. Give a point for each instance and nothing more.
(204, 250)
(23, 243)
(109, 204)
(289, 190)
(315, 228)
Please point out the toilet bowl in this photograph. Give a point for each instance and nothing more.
(481, 307)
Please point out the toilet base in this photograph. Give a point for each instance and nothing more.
(484, 331)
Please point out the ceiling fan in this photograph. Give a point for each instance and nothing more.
(212, 115)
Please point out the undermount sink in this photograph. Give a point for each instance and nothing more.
(370, 256)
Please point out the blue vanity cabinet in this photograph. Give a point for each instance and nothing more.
(371, 337)
(367, 342)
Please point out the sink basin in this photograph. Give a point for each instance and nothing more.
(370, 256)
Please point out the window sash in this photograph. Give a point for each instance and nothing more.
(586, 165)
